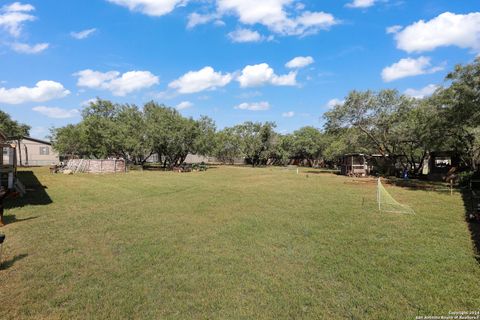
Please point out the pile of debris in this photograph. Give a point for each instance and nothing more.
(91, 166)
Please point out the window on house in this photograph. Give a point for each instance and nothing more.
(5, 151)
(44, 151)
(442, 162)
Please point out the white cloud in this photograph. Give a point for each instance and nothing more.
(13, 17)
(83, 34)
(118, 84)
(288, 114)
(286, 17)
(422, 93)
(88, 102)
(95, 79)
(262, 74)
(195, 19)
(184, 105)
(56, 113)
(245, 35)
(18, 7)
(393, 29)
(408, 67)
(43, 91)
(273, 15)
(299, 62)
(197, 81)
(132, 81)
(448, 29)
(29, 49)
(361, 3)
(334, 102)
(150, 7)
(255, 106)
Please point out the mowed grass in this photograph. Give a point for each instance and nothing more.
(233, 243)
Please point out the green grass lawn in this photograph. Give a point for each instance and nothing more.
(232, 243)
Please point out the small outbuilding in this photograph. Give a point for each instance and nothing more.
(439, 164)
(355, 164)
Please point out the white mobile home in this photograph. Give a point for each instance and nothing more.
(35, 152)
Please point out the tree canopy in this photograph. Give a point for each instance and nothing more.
(12, 128)
(401, 129)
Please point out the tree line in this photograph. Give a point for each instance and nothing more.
(404, 130)
(401, 129)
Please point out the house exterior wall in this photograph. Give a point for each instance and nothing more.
(30, 153)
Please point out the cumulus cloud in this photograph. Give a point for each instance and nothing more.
(245, 35)
(29, 49)
(393, 29)
(447, 29)
(195, 19)
(286, 17)
(88, 102)
(13, 17)
(184, 105)
(299, 62)
(409, 67)
(83, 34)
(288, 114)
(423, 92)
(262, 74)
(43, 91)
(254, 106)
(118, 84)
(56, 113)
(334, 102)
(361, 3)
(273, 15)
(18, 7)
(197, 81)
(150, 7)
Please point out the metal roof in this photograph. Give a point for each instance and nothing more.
(37, 140)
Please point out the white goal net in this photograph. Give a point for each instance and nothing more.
(386, 203)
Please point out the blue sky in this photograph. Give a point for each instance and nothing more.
(233, 60)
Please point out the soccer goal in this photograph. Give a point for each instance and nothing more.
(386, 203)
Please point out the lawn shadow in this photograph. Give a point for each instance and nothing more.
(36, 192)
(9, 219)
(323, 171)
(470, 205)
(422, 185)
(8, 263)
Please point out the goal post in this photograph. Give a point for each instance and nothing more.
(386, 203)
